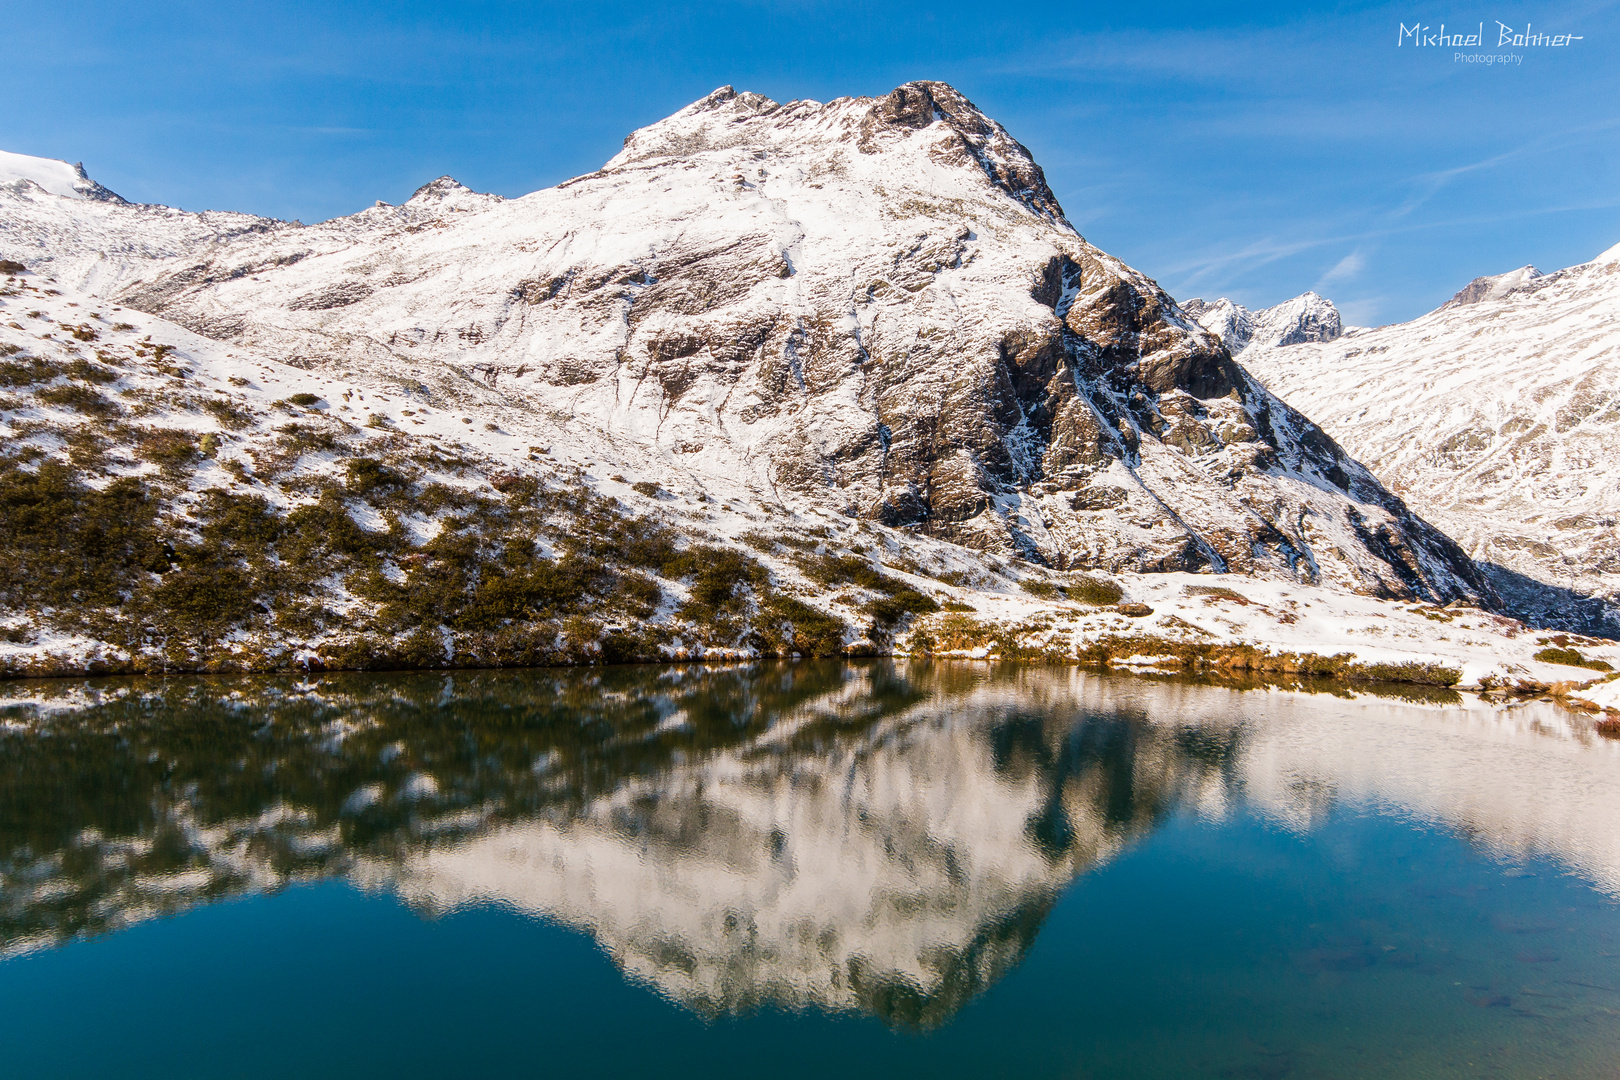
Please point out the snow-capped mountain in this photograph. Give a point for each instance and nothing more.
(60, 223)
(1307, 317)
(1493, 287)
(777, 379)
(1497, 416)
(19, 173)
(872, 304)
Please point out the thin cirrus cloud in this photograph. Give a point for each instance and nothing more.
(1346, 269)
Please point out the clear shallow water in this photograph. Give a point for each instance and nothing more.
(798, 870)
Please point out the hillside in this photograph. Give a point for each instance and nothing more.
(778, 378)
(1497, 416)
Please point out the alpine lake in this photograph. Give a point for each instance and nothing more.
(817, 869)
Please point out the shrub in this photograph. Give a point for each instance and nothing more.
(519, 586)
(789, 625)
(85, 371)
(1044, 590)
(204, 600)
(302, 438)
(647, 488)
(1411, 671)
(647, 544)
(168, 449)
(834, 570)
(888, 610)
(326, 527)
(79, 398)
(27, 371)
(229, 520)
(11, 266)
(640, 594)
(228, 414)
(304, 400)
(1572, 658)
(68, 544)
(720, 579)
(365, 476)
(951, 632)
(1093, 591)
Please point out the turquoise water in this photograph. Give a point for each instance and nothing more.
(812, 870)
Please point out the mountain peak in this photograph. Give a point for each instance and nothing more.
(53, 176)
(1305, 318)
(921, 119)
(445, 187)
(448, 194)
(1492, 287)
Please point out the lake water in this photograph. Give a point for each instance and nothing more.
(801, 870)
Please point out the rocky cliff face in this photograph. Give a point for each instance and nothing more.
(869, 304)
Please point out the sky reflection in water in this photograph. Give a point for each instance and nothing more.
(798, 869)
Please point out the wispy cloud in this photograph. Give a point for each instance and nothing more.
(1346, 269)
(1426, 185)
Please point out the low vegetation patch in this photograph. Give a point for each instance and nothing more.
(1218, 592)
(1079, 589)
(1572, 658)
(895, 599)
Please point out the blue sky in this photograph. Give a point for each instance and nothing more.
(1249, 150)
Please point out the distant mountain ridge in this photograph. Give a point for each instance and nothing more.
(1498, 414)
(1307, 317)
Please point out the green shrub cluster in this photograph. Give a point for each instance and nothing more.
(525, 573)
(80, 398)
(896, 599)
(27, 371)
(1572, 658)
(228, 414)
(68, 545)
(1079, 588)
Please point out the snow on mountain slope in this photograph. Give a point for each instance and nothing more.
(19, 171)
(1493, 287)
(1496, 416)
(1307, 317)
(57, 221)
(171, 502)
(870, 305)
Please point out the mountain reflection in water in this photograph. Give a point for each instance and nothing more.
(884, 837)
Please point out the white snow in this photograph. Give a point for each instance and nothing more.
(1498, 420)
(1307, 317)
(56, 177)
